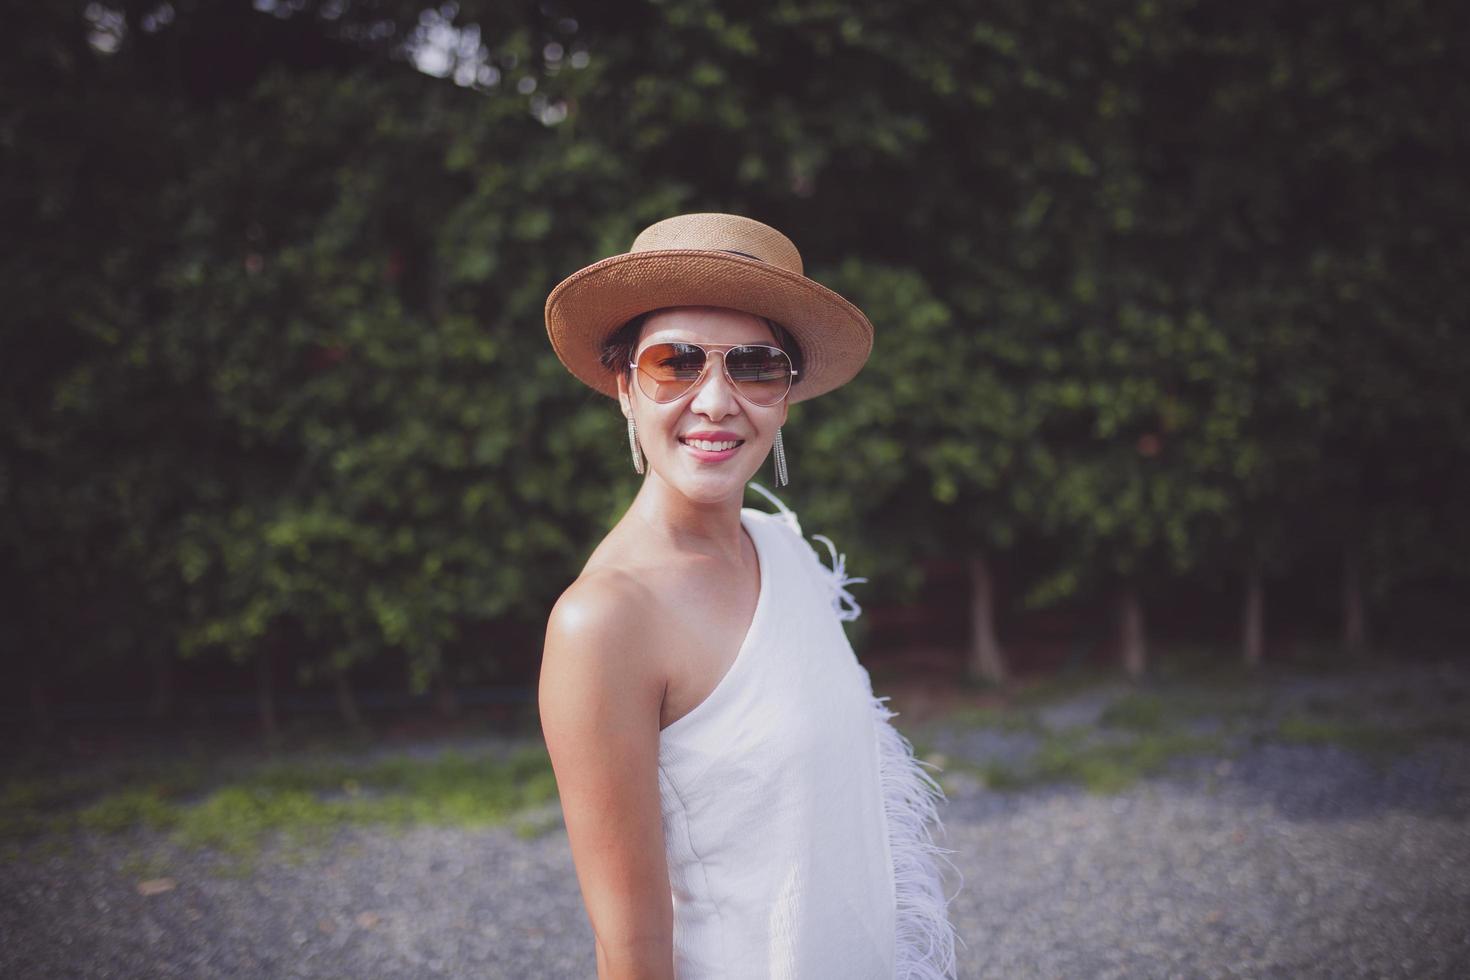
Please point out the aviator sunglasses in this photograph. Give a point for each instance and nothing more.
(760, 373)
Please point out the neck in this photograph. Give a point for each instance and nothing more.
(711, 528)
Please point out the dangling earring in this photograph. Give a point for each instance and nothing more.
(638, 450)
(778, 449)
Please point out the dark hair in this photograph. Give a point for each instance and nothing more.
(618, 348)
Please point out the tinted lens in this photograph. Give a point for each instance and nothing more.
(666, 371)
(763, 374)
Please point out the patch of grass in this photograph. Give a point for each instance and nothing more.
(1172, 708)
(538, 822)
(28, 805)
(235, 820)
(304, 800)
(1137, 712)
(1003, 778)
(1358, 736)
(309, 801)
(40, 792)
(1112, 766)
(238, 868)
(142, 867)
(1101, 766)
(17, 822)
(36, 849)
(125, 810)
(993, 775)
(1231, 707)
(99, 799)
(1061, 686)
(997, 719)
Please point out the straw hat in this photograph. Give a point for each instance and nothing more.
(708, 260)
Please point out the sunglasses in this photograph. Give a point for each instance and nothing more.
(762, 375)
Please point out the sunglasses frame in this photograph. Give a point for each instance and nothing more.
(722, 350)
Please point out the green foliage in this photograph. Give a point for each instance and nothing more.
(1161, 291)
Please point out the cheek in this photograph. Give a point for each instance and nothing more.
(656, 420)
(772, 419)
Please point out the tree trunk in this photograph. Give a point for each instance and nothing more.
(1253, 624)
(161, 666)
(346, 702)
(1354, 611)
(265, 699)
(987, 660)
(1130, 633)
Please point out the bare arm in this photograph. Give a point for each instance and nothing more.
(600, 694)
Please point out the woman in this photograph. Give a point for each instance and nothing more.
(737, 803)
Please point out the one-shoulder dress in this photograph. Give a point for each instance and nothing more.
(798, 825)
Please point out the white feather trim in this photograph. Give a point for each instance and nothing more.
(785, 513)
(925, 937)
(843, 602)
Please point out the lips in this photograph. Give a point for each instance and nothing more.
(712, 446)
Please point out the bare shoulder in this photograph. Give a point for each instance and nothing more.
(599, 610)
(599, 634)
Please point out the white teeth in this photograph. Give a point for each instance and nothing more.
(712, 447)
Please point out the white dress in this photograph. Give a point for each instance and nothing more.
(796, 819)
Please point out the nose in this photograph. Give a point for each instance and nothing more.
(715, 397)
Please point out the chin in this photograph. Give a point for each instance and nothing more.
(710, 487)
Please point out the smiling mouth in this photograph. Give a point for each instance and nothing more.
(712, 446)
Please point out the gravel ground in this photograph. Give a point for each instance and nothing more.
(1280, 861)
(1284, 862)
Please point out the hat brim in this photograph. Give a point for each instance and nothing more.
(586, 307)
